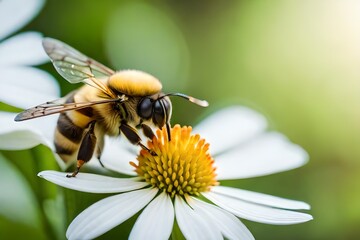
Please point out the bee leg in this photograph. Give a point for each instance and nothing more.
(100, 147)
(147, 131)
(86, 150)
(131, 134)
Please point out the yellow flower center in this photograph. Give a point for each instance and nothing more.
(182, 166)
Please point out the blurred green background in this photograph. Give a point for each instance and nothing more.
(297, 62)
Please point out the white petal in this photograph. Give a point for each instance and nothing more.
(117, 155)
(46, 125)
(267, 154)
(260, 198)
(230, 226)
(156, 221)
(27, 134)
(20, 140)
(191, 223)
(14, 136)
(230, 127)
(108, 213)
(14, 14)
(23, 49)
(93, 183)
(257, 213)
(26, 87)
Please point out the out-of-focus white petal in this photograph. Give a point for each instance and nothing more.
(192, 225)
(46, 125)
(108, 213)
(117, 154)
(26, 87)
(260, 198)
(229, 225)
(230, 127)
(156, 221)
(93, 183)
(27, 134)
(14, 14)
(20, 140)
(256, 212)
(22, 49)
(267, 154)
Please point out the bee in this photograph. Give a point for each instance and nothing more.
(109, 103)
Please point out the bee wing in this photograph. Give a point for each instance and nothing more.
(76, 67)
(58, 106)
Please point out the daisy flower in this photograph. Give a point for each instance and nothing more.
(183, 182)
(21, 84)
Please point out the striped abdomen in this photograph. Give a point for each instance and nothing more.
(70, 129)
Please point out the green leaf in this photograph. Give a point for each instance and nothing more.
(18, 202)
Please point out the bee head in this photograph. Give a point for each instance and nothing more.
(158, 108)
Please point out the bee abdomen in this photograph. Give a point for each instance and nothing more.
(60, 149)
(68, 129)
(68, 137)
(65, 147)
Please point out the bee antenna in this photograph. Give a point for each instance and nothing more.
(202, 103)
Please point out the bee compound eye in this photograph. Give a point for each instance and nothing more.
(145, 108)
(159, 115)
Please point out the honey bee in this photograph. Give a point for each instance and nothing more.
(110, 103)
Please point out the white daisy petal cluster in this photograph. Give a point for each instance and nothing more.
(22, 85)
(242, 149)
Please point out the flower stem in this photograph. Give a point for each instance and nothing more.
(42, 193)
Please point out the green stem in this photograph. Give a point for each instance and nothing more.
(41, 195)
